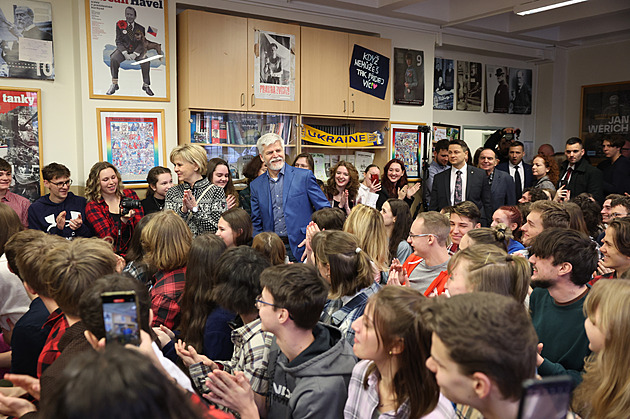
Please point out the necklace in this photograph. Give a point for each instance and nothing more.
(157, 203)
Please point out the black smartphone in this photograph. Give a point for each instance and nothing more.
(120, 315)
(198, 375)
(562, 183)
(546, 399)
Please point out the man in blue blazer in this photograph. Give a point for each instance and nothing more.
(516, 154)
(473, 183)
(501, 184)
(284, 197)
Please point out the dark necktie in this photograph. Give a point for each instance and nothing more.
(568, 176)
(458, 187)
(517, 182)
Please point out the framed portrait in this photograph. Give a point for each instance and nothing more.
(21, 139)
(443, 84)
(133, 141)
(274, 67)
(408, 77)
(497, 89)
(605, 112)
(26, 40)
(469, 80)
(520, 91)
(406, 144)
(128, 55)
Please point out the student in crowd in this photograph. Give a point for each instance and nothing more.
(196, 200)
(342, 186)
(488, 268)
(347, 268)
(204, 322)
(305, 161)
(482, 348)
(545, 172)
(543, 215)
(501, 184)
(464, 217)
(576, 218)
(392, 378)
(166, 242)
(616, 249)
(136, 266)
(603, 392)
(394, 184)
(105, 193)
(535, 194)
(270, 246)
(578, 174)
(498, 236)
(329, 219)
(235, 227)
(371, 185)
(438, 165)
(592, 215)
(160, 180)
(59, 212)
(563, 261)
(397, 220)
(616, 168)
(18, 203)
(607, 207)
(512, 218)
(620, 207)
(220, 175)
(367, 225)
(310, 364)
(251, 171)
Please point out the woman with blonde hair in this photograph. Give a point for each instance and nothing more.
(347, 268)
(197, 201)
(488, 268)
(166, 243)
(366, 223)
(604, 392)
(104, 210)
(342, 186)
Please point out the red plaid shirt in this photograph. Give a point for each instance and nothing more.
(101, 221)
(58, 325)
(165, 296)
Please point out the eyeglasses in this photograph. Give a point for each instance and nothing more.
(419, 235)
(260, 301)
(62, 184)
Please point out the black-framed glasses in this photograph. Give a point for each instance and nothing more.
(259, 300)
(420, 235)
(62, 184)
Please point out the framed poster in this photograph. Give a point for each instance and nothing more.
(443, 84)
(408, 77)
(497, 89)
(446, 132)
(468, 86)
(21, 139)
(407, 147)
(274, 67)
(520, 91)
(128, 54)
(605, 112)
(26, 40)
(133, 141)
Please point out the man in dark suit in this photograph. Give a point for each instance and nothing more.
(501, 184)
(582, 176)
(129, 47)
(616, 168)
(284, 197)
(520, 171)
(461, 183)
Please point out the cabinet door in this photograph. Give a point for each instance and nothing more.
(325, 72)
(257, 52)
(361, 104)
(212, 61)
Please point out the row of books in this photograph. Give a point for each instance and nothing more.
(217, 129)
(344, 129)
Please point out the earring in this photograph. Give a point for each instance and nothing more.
(390, 353)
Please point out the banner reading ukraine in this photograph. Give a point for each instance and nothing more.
(359, 139)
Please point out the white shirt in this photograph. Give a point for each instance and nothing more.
(365, 197)
(521, 172)
(464, 171)
(572, 167)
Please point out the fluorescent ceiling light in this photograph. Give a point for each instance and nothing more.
(542, 6)
(153, 57)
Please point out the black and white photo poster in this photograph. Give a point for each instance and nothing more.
(497, 89)
(274, 66)
(26, 40)
(128, 49)
(408, 77)
(520, 91)
(443, 84)
(468, 86)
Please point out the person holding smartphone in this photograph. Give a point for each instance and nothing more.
(371, 185)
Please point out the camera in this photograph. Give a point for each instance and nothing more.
(127, 204)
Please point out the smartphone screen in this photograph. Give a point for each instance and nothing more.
(120, 315)
(375, 179)
(546, 399)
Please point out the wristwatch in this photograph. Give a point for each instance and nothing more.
(195, 209)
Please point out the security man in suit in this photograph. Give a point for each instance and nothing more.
(520, 171)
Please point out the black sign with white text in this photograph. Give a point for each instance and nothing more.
(369, 72)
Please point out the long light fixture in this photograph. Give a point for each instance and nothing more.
(542, 6)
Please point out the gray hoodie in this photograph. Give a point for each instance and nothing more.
(315, 383)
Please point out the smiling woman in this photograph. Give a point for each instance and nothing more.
(342, 186)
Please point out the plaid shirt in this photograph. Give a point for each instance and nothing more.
(58, 325)
(101, 221)
(19, 204)
(251, 355)
(341, 315)
(165, 296)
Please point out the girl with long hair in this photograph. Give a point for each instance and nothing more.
(397, 220)
(546, 172)
(392, 379)
(603, 393)
(219, 174)
(512, 217)
(395, 184)
(235, 227)
(367, 224)
(342, 186)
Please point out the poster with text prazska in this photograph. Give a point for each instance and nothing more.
(128, 54)
(274, 66)
(26, 40)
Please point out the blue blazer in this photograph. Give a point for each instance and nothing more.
(502, 188)
(300, 197)
(527, 168)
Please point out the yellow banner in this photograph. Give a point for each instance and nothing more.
(359, 139)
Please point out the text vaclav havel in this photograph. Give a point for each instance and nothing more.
(157, 4)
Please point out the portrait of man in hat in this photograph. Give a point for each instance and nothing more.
(502, 95)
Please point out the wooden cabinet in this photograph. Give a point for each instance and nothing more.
(326, 58)
(216, 62)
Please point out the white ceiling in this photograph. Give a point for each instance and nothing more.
(594, 21)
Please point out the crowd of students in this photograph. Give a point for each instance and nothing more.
(379, 313)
